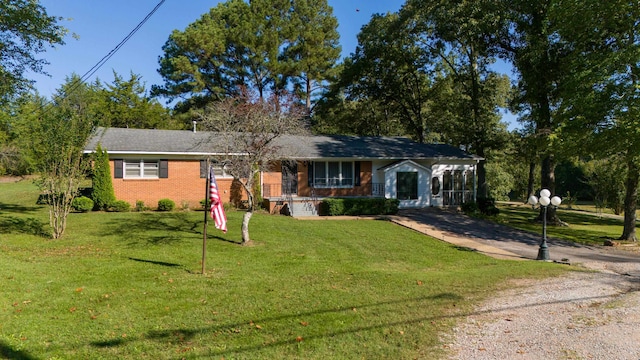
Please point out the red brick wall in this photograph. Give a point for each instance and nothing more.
(183, 185)
(272, 181)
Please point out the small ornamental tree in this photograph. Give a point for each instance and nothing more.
(103, 194)
(57, 142)
(249, 126)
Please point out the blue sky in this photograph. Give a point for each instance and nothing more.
(101, 25)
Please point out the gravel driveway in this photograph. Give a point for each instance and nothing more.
(581, 315)
(577, 316)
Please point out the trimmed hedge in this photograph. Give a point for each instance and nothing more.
(120, 206)
(359, 206)
(166, 205)
(140, 206)
(82, 204)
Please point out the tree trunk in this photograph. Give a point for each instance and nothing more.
(308, 95)
(483, 189)
(531, 181)
(247, 216)
(548, 181)
(630, 202)
(547, 173)
(245, 227)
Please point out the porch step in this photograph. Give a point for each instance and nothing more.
(303, 208)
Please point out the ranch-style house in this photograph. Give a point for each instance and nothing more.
(149, 165)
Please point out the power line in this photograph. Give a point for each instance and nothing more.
(74, 85)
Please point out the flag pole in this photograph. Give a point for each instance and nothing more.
(204, 231)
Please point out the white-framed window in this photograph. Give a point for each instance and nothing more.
(141, 169)
(333, 174)
(219, 170)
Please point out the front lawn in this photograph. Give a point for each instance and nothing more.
(583, 226)
(128, 285)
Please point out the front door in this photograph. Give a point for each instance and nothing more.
(289, 177)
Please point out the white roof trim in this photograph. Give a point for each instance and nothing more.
(403, 162)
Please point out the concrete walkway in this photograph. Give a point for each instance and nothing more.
(503, 242)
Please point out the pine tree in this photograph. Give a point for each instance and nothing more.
(103, 194)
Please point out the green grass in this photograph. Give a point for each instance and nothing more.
(584, 227)
(128, 285)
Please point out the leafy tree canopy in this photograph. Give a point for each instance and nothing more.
(25, 31)
(266, 46)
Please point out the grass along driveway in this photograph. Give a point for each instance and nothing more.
(584, 227)
(127, 285)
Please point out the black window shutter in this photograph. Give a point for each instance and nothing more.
(164, 169)
(356, 175)
(310, 173)
(117, 170)
(203, 169)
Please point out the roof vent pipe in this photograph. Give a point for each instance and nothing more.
(194, 125)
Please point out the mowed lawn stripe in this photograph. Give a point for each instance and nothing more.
(128, 285)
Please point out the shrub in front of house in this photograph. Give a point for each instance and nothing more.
(331, 207)
(120, 206)
(82, 204)
(140, 206)
(166, 205)
(359, 206)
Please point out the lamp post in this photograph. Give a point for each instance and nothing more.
(544, 201)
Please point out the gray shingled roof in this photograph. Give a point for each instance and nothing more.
(184, 142)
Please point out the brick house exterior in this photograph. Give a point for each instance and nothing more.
(184, 185)
(149, 165)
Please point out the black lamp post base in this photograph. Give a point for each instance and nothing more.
(543, 253)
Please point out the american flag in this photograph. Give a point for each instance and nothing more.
(217, 210)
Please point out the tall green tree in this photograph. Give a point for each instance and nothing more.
(103, 194)
(602, 85)
(265, 29)
(456, 32)
(83, 98)
(389, 70)
(19, 115)
(335, 114)
(26, 30)
(523, 34)
(12, 160)
(260, 45)
(202, 63)
(122, 103)
(314, 47)
(127, 105)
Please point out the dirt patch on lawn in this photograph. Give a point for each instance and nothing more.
(12, 179)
